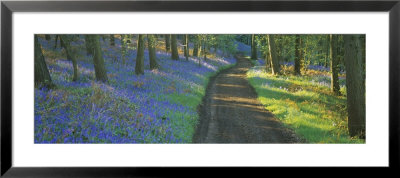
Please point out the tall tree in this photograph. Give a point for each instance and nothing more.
(71, 55)
(139, 68)
(298, 56)
(335, 88)
(205, 47)
(265, 51)
(42, 75)
(151, 42)
(47, 37)
(273, 55)
(56, 41)
(167, 42)
(89, 45)
(174, 48)
(123, 48)
(186, 48)
(98, 61)
(354, 63)
(253, 47)
(196, 47)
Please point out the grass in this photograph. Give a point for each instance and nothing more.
(306, 106)
(188, 122)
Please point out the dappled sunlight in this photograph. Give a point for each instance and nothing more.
(233, 75)
(233, 99)
(143, 89)
(305, 103)
(229, 85)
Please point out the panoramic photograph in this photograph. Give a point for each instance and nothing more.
(199, 88)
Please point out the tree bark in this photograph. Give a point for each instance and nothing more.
(167, 43)
(298, 57)
(186, 48)
(353, 58)
(174, 48)
(253, 47)
(47, 37)
(273, 56)
(195, 49)
(335, 88)
(88, 45)
(139, 68)
(98, 61)
(65, 41)
(152, 51)
(205, 51)
(123, 48)
(56, 41)
(112, 40)
(42, 75)
(196, 46)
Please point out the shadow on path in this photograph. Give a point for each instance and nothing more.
(231, 113)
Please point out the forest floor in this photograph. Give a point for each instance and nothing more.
(231, 112)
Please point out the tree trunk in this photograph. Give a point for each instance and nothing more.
(112, 40)
(253, 47)
(200, 51)
(42, 75)
(174, 48)
(205, 47)
(196, 46)
(152, 51)
(335, 88)
(299, 55)
(167, 43)
(268, 63)
(98, 61)
(139, 68)
(186, 48)
(56, 41)
(47, 37)
(65, 41)
(89, 45)
(273, 56)
(195, 49)
(355, 86)
(205, 52)
(123, 48)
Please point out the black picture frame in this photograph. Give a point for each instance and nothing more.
(8, 7)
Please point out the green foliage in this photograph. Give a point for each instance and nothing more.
(315, 48)
(245, 38)
(225, 43)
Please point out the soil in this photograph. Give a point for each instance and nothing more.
(231, 113)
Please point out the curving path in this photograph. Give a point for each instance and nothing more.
(231, 113)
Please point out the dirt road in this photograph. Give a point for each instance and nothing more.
(231, 113)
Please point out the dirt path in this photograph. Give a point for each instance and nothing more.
(231, 113)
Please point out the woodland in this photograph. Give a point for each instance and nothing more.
(154, 88)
